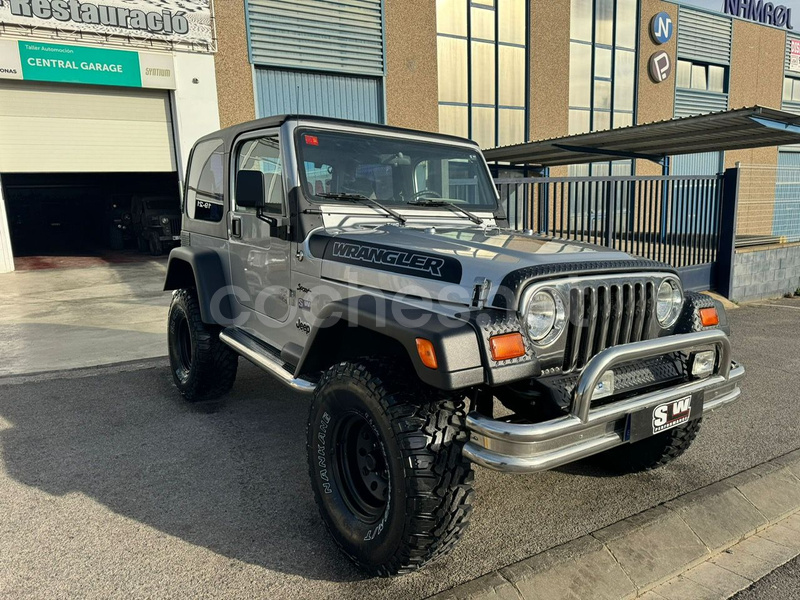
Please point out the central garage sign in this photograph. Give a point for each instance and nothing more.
(37, 61)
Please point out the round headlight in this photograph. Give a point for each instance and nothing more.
(669, 303)
(544, 316)
(164, 220)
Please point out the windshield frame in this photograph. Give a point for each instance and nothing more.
(411, 136)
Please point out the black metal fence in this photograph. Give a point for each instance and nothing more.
(672, 219)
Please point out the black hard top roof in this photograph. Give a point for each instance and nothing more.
(230, 133)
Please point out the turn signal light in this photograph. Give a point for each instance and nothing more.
(427, 353)
(508, 346)
(709, 317)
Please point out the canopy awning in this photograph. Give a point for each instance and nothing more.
(739, 129)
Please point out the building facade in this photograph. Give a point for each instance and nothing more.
(151, 76)
(99, 101)
(506, 71)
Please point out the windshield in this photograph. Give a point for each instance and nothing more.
(392, 171)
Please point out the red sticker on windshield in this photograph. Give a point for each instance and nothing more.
(311, 140)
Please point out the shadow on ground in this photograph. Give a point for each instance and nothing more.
(233, 481)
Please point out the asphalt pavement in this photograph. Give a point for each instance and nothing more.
(110, 486)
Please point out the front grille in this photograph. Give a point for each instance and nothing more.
(602, 315)
(175, 226)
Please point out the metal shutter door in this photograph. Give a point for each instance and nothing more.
(337, 96)
(703, 37)
(331, 35)
(697, 102)
(57, 128)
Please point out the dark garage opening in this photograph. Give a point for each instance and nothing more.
(87, 214)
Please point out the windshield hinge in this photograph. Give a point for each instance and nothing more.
(480, 292)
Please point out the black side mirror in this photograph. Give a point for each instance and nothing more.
(250, 189)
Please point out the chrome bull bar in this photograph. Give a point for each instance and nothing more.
(526, 448)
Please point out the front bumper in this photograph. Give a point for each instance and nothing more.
(528, 448)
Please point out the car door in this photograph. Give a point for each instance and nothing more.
(260, 265)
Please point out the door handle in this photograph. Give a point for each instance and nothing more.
(236, 227)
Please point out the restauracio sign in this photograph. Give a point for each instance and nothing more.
(36, 61)
(186, 21)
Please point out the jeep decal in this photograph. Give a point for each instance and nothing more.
(387, 258)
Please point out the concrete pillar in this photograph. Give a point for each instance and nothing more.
(6, 257)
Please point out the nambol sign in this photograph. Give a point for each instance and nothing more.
(187, 21)
(777, 14)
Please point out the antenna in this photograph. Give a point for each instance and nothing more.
(297, 100)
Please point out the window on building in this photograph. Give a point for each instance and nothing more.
(698, 76)
(791, 89)
(602, 71)
(483, 74)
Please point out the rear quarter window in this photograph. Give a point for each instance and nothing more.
(205, 200)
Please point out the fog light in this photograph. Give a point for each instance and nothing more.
(604, 387)
(703, 364)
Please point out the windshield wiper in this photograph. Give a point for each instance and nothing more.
(361, 198)
(454, 207)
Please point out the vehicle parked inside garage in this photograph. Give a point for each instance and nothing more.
(371, 268)
(156, 223)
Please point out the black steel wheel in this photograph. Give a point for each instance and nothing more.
(388, 475)
(361, 468)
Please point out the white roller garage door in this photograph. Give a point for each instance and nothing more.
(58, 128)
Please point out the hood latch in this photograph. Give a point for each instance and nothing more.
(480, 292)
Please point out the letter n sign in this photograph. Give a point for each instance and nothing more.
(661, 28)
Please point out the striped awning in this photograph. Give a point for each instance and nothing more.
(743, 128)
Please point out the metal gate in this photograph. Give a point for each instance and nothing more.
(672, 219)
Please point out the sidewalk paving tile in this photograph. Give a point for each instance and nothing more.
(595, 575)
(792, 522)
(717, 579)
(681, 588)
(784, 536)
(580, 569)
(777, 495)
(650, 552)
(743, 564)
(719, 514)
(767, 550)
(489, 587)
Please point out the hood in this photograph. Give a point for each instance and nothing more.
(450, 256)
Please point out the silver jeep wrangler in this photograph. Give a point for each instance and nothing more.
(373, 269)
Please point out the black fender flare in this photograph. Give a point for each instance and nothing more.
(455, 340)
(202, 269)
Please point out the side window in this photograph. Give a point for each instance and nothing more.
(204, 192)
(263, 154)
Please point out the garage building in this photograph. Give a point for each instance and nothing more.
(93, 117)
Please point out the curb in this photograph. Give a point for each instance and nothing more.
(631, 557)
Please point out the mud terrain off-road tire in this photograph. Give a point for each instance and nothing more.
(371, 415)
(203, 368)
(653, 452)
